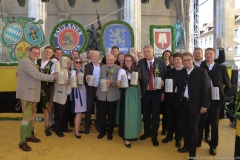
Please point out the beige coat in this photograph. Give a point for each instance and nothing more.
(61, 90)
(29, 81)
(110, 95)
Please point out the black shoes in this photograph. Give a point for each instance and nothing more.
(144, 136)
(80, 131)
(101, 135)
(67, 130)
(164, 132)
(48, 132)
(213, 151)
(166, 140)
(207, 139)
(86, 131)
(155, 142)
(78, 136)
(183, 150)
(109, 137)
(127, 145)
(178, 144)
(52, 127)
(59, 134)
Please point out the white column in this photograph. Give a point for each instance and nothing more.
(224, 13)
(37, 10)
(132, 15)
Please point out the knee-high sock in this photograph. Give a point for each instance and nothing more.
(51, 118)
(23, 131)
(29, 129)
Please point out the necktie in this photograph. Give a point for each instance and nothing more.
(151, 77)
(108, 70)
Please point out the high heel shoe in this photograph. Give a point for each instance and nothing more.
(127, 145)
(77, 136)
(80, 131)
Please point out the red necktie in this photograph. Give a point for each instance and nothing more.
(151, 77)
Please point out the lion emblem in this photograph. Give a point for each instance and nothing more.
(116, 37)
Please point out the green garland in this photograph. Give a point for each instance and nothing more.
(73, 22)
(8, 63)
(151, 27)
(115, 22)
(237, 115)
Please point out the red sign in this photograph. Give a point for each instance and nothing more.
(162, 39)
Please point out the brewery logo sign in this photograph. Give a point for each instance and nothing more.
(117, 33)
(162, 38)
(69, 35)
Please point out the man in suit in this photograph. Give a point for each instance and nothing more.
(193, 97)
(174, 118)
(198, 60)
(92, 68)
(28, 91)
(218, 78)
(168, 58)
(151, 98)
(107, 101)
(56, 57)
(61, 99)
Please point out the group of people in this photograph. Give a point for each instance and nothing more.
(188, 109)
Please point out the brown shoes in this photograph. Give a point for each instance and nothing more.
(33, 139)
(24, 146)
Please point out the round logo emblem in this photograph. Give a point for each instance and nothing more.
(68, 37)
(33, 34)
(22, 50)
(13, 33)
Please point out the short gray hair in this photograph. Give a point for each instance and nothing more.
(148, 46)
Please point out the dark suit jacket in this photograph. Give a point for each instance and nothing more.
(168, 67)
(198, 89)
(219, 78)
(171, 74)
(89, 71)
(143, 72)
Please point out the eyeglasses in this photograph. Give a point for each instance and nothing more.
(35, 52)
(186, 60)
(128, 61)
(78, 62)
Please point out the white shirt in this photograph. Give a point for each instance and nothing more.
(52, 68)
(186, 90)
(148, 62)
(122, 72)
(44, 63)
(96, 74)
(197, 63)
(210, 66)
